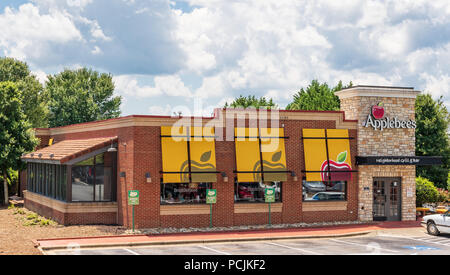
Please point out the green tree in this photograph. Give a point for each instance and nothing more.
(318, 97)
(16, 137)
(252, 101)
(426, 192)
(432, 120)
(34, 100)
(82, 95)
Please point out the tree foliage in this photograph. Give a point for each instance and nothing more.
(432, 139)
(16, 136)
(252, 101)
(426, 192)
(318, 97)
(34, 100)
(82, 95)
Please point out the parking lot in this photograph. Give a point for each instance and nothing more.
(369, 244)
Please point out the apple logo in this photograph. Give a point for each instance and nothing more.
(378, 111)
(344, 169)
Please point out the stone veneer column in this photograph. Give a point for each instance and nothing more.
(357, 103)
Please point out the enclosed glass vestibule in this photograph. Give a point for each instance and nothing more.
(92, 179)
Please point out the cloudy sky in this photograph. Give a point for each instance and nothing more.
(173, 55)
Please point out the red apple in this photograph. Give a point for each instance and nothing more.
(334, 166)
(378, 111)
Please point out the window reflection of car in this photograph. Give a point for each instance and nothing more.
(314, 186)
(244, 193)
(340, 186)
(327, 196)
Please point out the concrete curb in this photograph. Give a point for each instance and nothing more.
(221, 240)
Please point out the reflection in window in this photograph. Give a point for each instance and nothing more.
(49, 180)
(184, 193)
(324, 191)
(92, 179)
(254, 191)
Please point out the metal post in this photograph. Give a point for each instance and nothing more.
(133, 218)
(210, 215)
(270, 218)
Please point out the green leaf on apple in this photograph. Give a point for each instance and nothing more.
(342, 157)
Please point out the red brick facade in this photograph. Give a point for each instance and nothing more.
(139, 152)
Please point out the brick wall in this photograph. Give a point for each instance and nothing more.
(142, 154)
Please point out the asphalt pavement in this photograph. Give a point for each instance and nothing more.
(386, 242)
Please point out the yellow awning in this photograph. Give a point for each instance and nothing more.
(273, 154)
(315, 152)
(323, 165)
(174, 154)
(203, 154)
(179, 145)
(250, 155)
(247, 154)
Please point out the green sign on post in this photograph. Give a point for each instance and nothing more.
(269, 195)
(133, 199)
(211, 198)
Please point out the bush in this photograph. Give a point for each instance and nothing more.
(426, 192)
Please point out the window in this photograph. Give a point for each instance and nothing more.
(49, 180)
(184, 193)
(324, 190)
(92, 179)
(254, 191)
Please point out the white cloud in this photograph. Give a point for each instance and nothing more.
(163, 86)
(219, 49)
(30, 33)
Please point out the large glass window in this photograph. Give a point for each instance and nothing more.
(324, 190)
(254, 191)
(92, 179)
(184, 193)
(49, 180)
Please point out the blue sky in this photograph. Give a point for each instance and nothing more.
(194, 55)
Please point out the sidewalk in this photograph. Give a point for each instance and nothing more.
(232, 236)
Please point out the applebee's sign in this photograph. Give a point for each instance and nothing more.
(377, 120)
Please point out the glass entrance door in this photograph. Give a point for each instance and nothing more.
(386, 199)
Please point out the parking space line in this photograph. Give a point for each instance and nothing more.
(433, 240)
(131, 251)
(217, 251)
(295, 248)
(364, 245)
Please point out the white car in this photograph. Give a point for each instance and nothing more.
(436, 224)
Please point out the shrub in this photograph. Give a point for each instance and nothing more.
(426, 192)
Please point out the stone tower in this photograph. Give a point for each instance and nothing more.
(387, 130)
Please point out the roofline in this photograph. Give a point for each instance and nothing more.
(216, 115)
(380, 87)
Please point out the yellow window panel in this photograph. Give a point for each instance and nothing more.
(315, 153)
(174, 154)
(203, 155)
(247, 154)
(339, 154)
(273, 153)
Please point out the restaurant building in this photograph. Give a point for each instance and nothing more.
(354, 164)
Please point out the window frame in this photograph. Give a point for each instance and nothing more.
(316, 201)
(236, 201)
(209, 186)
